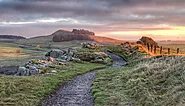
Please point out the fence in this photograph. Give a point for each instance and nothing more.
(153, 49)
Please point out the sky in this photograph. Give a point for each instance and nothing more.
(120, 19)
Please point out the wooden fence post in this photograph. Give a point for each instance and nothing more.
(155, 48)
(168, 51)
(161, 50)
(148, 47)
(177, 50)
(151, 48)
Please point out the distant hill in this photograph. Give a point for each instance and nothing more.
(11, 37)
(62, 35)
(69, 36)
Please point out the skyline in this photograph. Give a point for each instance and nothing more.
(120, 19)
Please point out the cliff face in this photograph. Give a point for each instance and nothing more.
(61, 35)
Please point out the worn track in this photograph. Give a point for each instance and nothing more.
(77, 92)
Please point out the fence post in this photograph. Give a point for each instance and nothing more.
(148, 47)
(177, 50)
(155, 49)
(151, 48)
(161, 50)
(168, 51)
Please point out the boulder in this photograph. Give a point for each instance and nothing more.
(22, 71)
(65, 54)
(55, 53)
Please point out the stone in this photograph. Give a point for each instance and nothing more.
(90, 45)
(55, 53)
(21, 71)
(53, 71)
(61, 63)
(33, 72)
(76, 60)
(32, 68)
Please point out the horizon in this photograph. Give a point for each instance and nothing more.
(120, 19)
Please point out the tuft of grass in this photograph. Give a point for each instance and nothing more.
(29, 91)
(150, 82)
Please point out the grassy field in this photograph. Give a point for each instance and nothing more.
(174, 45)
(144, 82)
(29, 91)
(9, 55)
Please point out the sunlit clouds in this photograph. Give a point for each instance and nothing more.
(121, 19)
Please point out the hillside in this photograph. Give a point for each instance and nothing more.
(11, 37)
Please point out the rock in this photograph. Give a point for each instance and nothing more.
(60, 36)
(55, 53)
(53, 71)
(90, 45)
(33, 72)
(65, 54)
(76, 60)
(147, 40)
(21, 71)
(61, 63)
(32, 68)
(82, 32)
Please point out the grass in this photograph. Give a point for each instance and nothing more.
(29, 91)
(174, 45)
(150, 82)
(125, 53)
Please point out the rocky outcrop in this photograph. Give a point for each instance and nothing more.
(82, 32)
(65, 54)
(60, 35)
(90, 45)
(147, 40)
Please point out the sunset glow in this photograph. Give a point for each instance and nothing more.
(173, 31)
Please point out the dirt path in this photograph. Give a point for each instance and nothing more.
(77, 92)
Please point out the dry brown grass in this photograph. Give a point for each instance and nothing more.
(10, 52)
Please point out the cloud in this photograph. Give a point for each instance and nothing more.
(97, 15)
